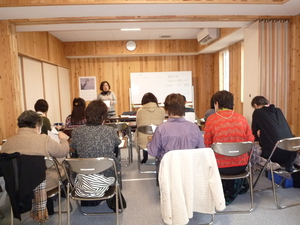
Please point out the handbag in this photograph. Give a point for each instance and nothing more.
(92, 185)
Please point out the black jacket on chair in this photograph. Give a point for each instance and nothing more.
(22, 173)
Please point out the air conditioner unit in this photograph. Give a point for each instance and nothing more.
(207, 35)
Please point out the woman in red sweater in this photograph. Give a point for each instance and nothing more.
(227, 125)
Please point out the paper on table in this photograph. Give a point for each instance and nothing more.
(153, 127)
(54, 131)
(54, 135)
(127, 116)
(107, 103)
(122, 144)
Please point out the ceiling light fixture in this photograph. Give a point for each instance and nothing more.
(130, 29)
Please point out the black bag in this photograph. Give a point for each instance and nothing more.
(296, 180)
(111, 203)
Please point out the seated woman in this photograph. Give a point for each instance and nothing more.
(77, 117)
(149, 113)
(177, 133)
(41, 107)
(29, 141)
(95, 139)
(226, 125)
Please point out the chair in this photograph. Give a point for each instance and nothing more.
(53, 163)
(2, 216)
(234, 149)
(189, 181)
(147, 130)
(287, 144)
(17, 170)
(120, 128)
(74, 166)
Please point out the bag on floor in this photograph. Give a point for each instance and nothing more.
(111, 203)
(296, 180)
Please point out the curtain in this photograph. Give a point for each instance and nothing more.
(274, 61)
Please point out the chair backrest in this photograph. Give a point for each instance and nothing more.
(289, 144)
(118, 126)
(89, 165)
(49, 162)
(232, 148)
(145, 129)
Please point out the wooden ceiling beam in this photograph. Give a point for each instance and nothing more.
(134, 19)
(18, 3)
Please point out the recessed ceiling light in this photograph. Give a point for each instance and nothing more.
(130, 29)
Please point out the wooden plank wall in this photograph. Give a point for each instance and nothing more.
(37, 45)
(293, 115)
(116, 70)
(117, 48)
(10, 105)
(235, 75)
(43, 47)
(81, 2)
(205, 80)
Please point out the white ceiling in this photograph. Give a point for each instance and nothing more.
(151, 30)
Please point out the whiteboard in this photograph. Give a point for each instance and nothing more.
(161, 84)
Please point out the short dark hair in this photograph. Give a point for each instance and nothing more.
(224, 98)
(78, 112)
(149, 97)
(41, 105)
(175, 104)
(96, 112)
(259, 100)
(102, 84)
(30, 118)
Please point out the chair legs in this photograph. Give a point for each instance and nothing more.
(210, 222)
(250, 180)
(274, 187)
(59, 204)
(139, 163)
(68, 204)
(118, 211)
(2, 216)
(128, 154)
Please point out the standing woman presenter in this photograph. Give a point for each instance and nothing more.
(108, 97)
